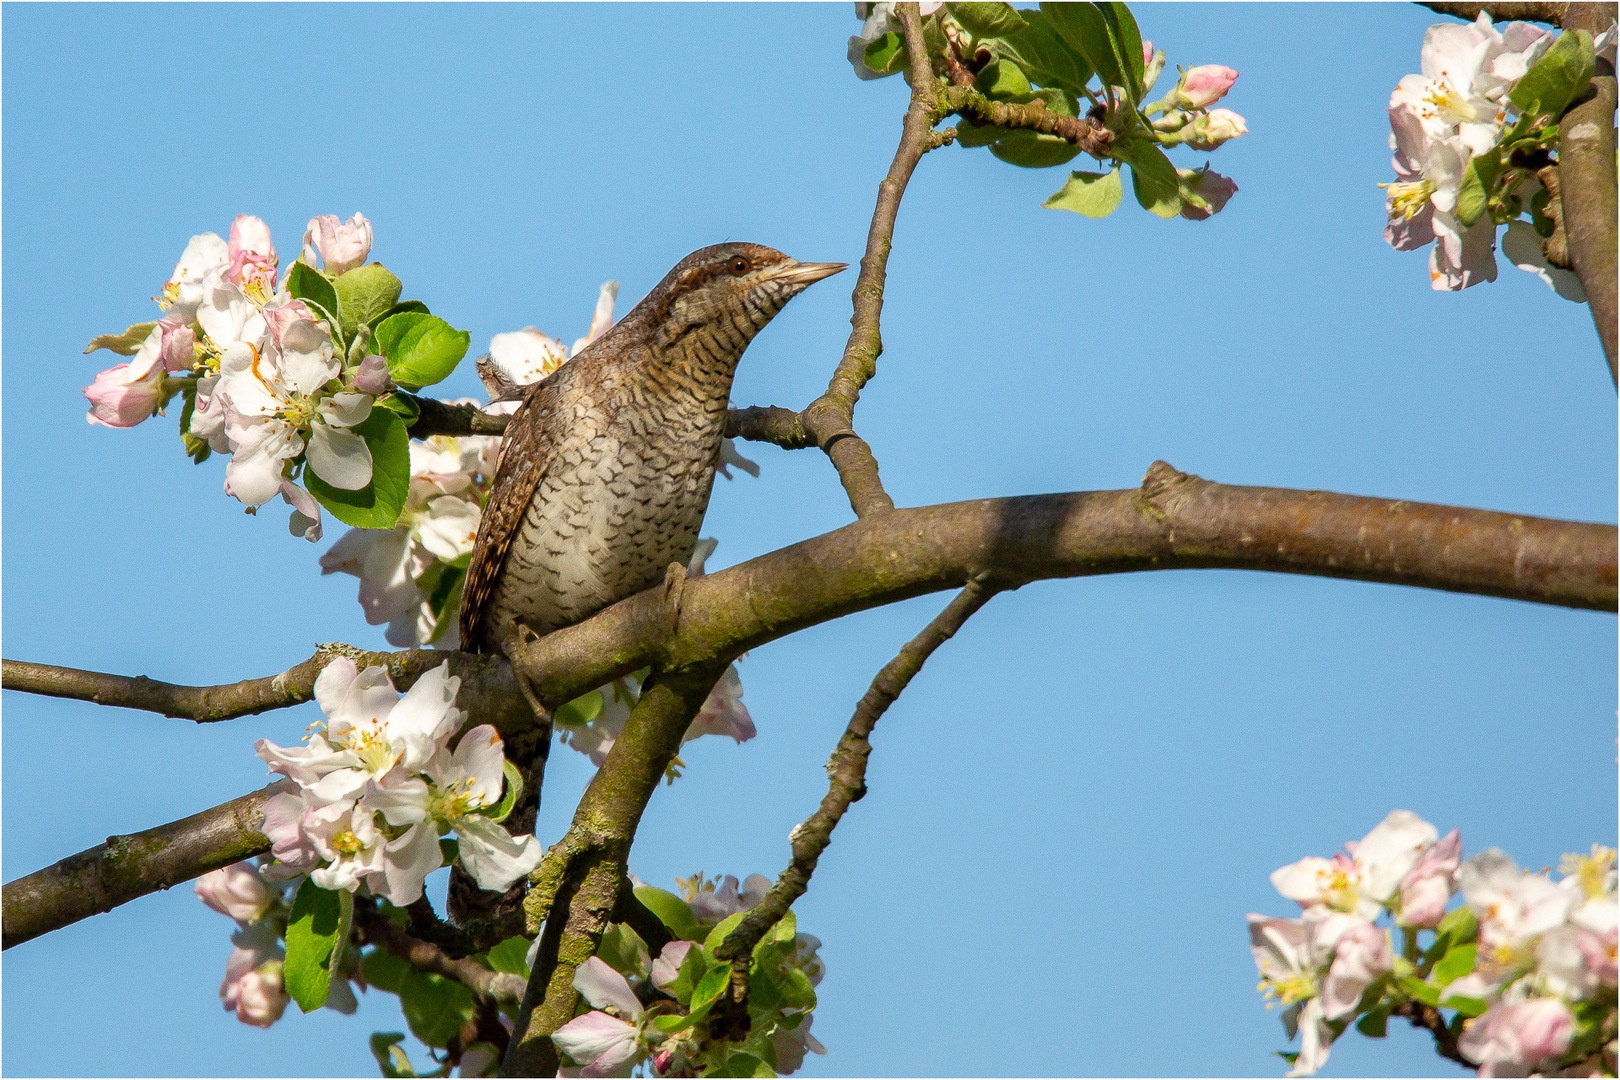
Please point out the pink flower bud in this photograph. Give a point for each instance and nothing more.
(1214, 128)
(342, 245)
(372, 376)
(1361, 955)
(125, 394)
(1519, 1036)
(253, 256)
(1204, 85)
(1147, 53)
(1428, 886)
(236, 891)
(279, 318)
(1214, 189)
(260, 996)
(179, 348)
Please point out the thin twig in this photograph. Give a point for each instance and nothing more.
(846, 771)
(830, 418)
(502, 986)
(1088, 134)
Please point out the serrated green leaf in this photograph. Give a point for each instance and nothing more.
(796, 990)
(1083, 28)
(421, 349)
(722, 931)
(987, 20)
(435, 1007)
(304, 282)
(1458, 962)
(312, 929)
(671, 910)
(377, 505)
(1093, 194)
(1154, 179)
(1419, 990)
(126, 344)
(403, 305)
(1560, 76)
(886, 54)
(364, 294)
(509, 956)
(1045, 57)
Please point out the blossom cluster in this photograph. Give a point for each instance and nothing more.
(254, 988)
(1458, 113)
(378, 785)
(264, 374)
(1008, 53)
(1528, 964)
(651, 1011)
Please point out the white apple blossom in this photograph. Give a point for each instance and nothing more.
(1293, 956)
(253, 257)
(604, 1043)
(1514, 909)
(601, 318)
(1361, 955)
(1514, 1038)
(1522, 246)
(878, 19)
(1366, 881)
(1428, 886)
(719, 899)
(203, 264)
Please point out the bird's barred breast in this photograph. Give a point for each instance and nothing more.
(607, 518)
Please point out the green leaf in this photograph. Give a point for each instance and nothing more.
(711, 987)
(340, 942)
(1375, 1024)
(509, 956)
(722, 931)
(1083, 29)
(421, 349)
(385, 971)
(1032, 150)
(377, 505)
(742, 1065)
(365, 294)
(1045, 57)
(1560, 76)
(305, 282)
(1127, 43)
(403, 305)
(126, 344)
(1454, 965)
(1154, 179)
(1457, 927)
(401, 405)
(449, 850)
(999, 80)
(987, 20)
(623, 950)
(671, 910)
(1093, 194)
(435, 1007)
(796, 989)
(1418, 989)
(686, 980)
(1466, 1006)
(312, 932)
(887, 55)
(391, 1057)
(786, 929)
(582, 710)
(197, 449)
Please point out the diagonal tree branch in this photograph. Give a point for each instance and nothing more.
(1173, 521)
(1587, 185)
(846, 771)
(1520, 10)
(100, 878)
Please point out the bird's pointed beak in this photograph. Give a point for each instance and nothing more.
(803, 273)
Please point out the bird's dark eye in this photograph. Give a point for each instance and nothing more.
(740, 265)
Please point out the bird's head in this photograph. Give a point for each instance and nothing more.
(734, 288)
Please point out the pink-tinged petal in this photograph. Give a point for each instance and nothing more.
(1213, 188)
(1361, 955)
(283, 827)
(305, 520)
(668, 965)
(597, 1039)
(480, 757)
(1202, 86)
(251, 235)
(235, 890)
(409, 859)
(1385, 855)
(372, 376)
(603, 987)
(399, 798)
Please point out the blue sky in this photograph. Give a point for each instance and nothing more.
(1076, 803)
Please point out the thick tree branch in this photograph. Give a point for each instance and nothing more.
(846, 771)
(447, 418)
(378, 930)
(1174, 521)
(102, 877)
(1550, 13)
(578, 886)
(767, 423)
(1587, 185)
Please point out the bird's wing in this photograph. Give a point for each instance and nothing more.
(523, 462)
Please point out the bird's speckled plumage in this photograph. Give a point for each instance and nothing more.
(607, 466)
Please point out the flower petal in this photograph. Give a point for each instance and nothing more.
(604, 987)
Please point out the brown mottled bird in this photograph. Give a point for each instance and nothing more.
(607, 466)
